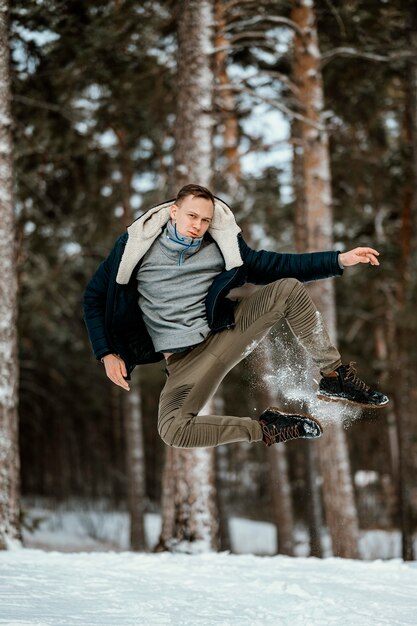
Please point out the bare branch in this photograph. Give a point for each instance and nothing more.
(337, 16)
(227, 48)
(328, 56)
(44, 105)
(284, 79)
(272, 103)
(281, 21)
(252, 34)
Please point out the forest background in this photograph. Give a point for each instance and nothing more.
(95, 128)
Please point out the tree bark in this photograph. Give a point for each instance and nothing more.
(340, 509)
(313, 504)
(404, 409)
(132, 402)
(9, 447)
(226, 118)
(194, 118)
(226, 103)
(135, 466)
(277, 463)
(189, 473)
(167, 502)
(221, 468)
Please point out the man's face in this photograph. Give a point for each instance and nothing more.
(192, 216)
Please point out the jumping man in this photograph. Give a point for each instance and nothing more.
(166, 291)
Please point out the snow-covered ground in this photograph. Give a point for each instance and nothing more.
(41, 588)
(75, 571)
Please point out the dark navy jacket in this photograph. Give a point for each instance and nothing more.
(114, 319)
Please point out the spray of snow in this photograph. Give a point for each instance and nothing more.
(294, 378)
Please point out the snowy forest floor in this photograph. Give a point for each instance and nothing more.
(64, 577)
(39, 588)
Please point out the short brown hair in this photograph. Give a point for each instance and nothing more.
(194, 190)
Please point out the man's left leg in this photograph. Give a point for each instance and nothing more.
(194, 377)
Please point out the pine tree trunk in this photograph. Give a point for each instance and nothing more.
(135, 457)
(277, 462)
(404, 408)
(314, 508)
(221, 467)
(226, 103)
(9, 449)
(167, 502)
(225, 106)
(190, 473)
(300, 211)
(221, 471)
(340, 509)
(194, 94)
(132, 405)
(313, 497)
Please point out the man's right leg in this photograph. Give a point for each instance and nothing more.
(289, 298)
(338, 382)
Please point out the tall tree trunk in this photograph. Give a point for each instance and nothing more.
(132, 401)
(384, 337)
(9, 448)
(226, 103)
(313, 504)
(340, 509)
(167, 502)
(194, 94)
(190, 475)
(277, 461)
(405, 411)
(221, 470)
(135, 464)
(276, 456)
(225, 106)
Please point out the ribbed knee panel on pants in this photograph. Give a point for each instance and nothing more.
(301, 313)
(260, 304)
(304, 321)
(169, 406)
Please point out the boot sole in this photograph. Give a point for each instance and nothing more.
(346, 401)
(313, 419)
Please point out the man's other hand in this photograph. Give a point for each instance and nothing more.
(359, 255)
(115, 370)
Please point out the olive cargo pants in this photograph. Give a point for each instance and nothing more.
(194, 375)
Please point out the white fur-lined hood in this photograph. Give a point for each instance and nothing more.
(143, 232)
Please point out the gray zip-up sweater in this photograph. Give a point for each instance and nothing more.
(173, 281)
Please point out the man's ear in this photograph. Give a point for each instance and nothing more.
(173, 211)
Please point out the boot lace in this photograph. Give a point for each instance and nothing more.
(272, 434)
(351, 375)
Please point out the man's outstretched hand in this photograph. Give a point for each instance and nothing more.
(115, 370)
(359, 255)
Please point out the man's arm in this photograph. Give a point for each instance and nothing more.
(94, 304)
(264, 267)
(95, 301)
